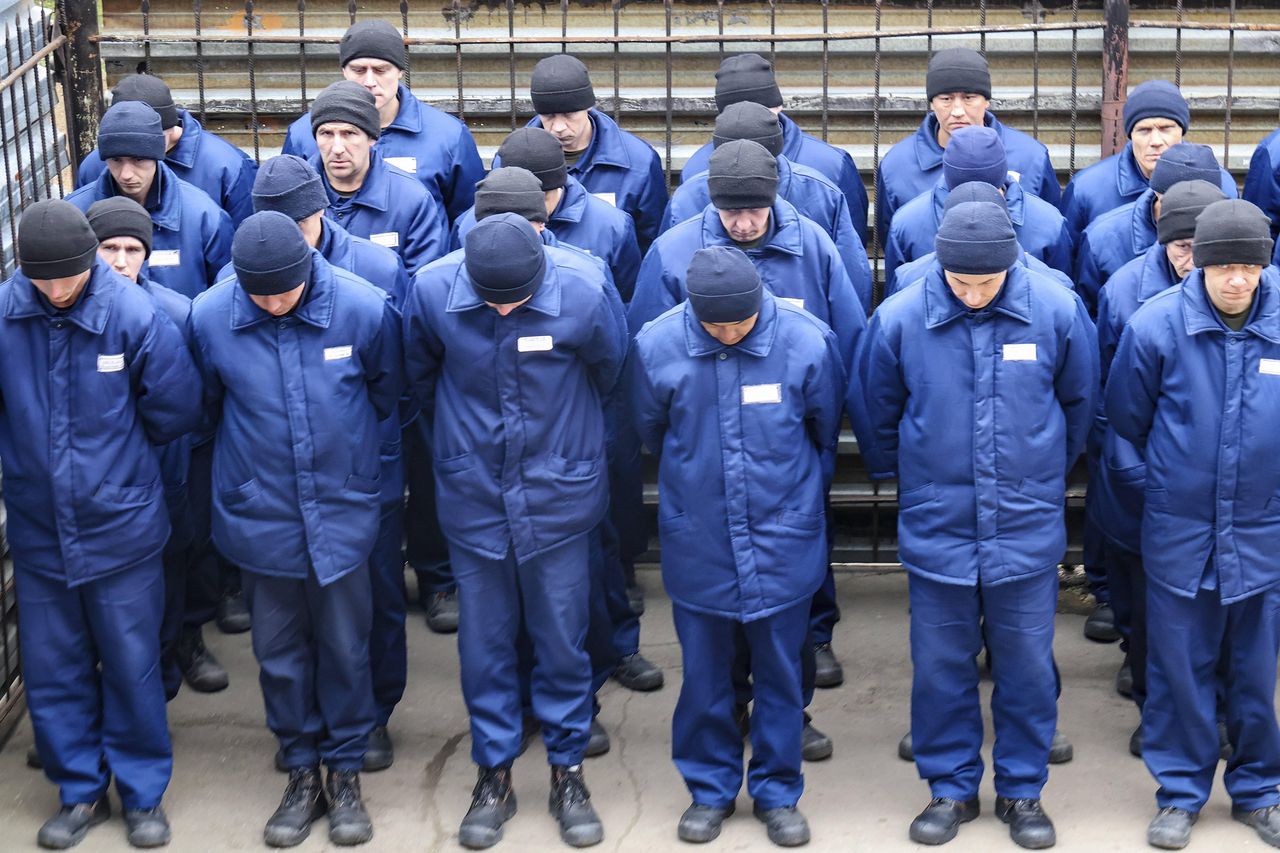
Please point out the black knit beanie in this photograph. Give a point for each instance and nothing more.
(1232, 231)
(742, 175)
(373, 39)
(538, 151)
(505, 259)
(511, 190)
(1179, 207)
(561, 84)
(348, 102)
(55, 241)
(747, 77)
(957, 69)
(269, 254)
(749, 120)
(150, 90)
(723, 285)
(121, 217)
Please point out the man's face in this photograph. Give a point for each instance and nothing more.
(312, 228)
(281, 303)
(133, 175)
(976, 291)
(730, 334)
(125, 255)
(745, 224)
(62, 292)
(505, 308)
(955, 110)
(171, 137)
(1151, 137)
(344, 150)
(551, 199)
(571, 130)
(1231, 286)
(379, 77)
(1179, 254)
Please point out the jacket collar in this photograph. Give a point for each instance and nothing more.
(462, 296)
(787, 236)
(573, 204)
(409, 117)
(317, 300)
(929, 152)
(1143, 221)
(187, 150)
(335, 243)
(784, 176)
(1154, 277)
(792, 138)
(606, 146)
(374, 193)
(1014, 201)
(164, 201)
(1129, 178)
(1264, 317)
(90, 311)
(941, 305)
(758, 342)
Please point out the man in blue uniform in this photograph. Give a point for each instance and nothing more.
(749, 77)
(367, 196)
(744, 546)
(812, 193)
(614, 165)
(519, 461)
(92, 377)
(300, 362)
(977, 154)
(980, 510)
(203, 159)
(1262, 183)
(1156, 117)
(958, 86)
(192, 238)
(1117, 483)
(1192, 374)
(430, 144)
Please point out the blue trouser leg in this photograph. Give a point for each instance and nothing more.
(808, 670)
(426, 549)
(1128, 582)
(625, 622)
(91, 667)
(1094, 542)
(626, 496)
(312, 645)
(552, 591)
(777, 718)
(600, 627)
(825, 612)
(388, 652)
(203, 585)
(1252, 642)
(176, 562)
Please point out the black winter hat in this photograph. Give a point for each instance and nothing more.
(747, 77)
(55, 240)
(957, 69)
(537, 150)
(973, 191)
(290, 185)
(511, 189)
(976, 238)
(121, 217)
(1156, 99)
(505, 259)
(348, 102)
(131, 129)
(1185, 161)
(723, 285)
(373, 39)
(269, 254)
(749, 120)
(1179, 207)
(151, 90)
(561, 84)
(1232, 231)
(742, 174)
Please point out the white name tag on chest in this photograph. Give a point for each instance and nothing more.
(753, 394)
(1019, 352)
(110, 363)
(409, 164)
(799, 303)
(335, 353)
(390, 239)
(166, 258)
(534, 343)
(1269, 366)
(612, 198)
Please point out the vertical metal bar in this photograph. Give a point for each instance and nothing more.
(1231, 62)
(34, 167)
(928, 22)
(617, 61)
(826, 68)
(720, 28)
(564, 25)
(11, 179)
(79, 20)
(52, 100)
(404, 27)
(197, 15)
(253, 80)
(1115, 71)
(17, 176)
(511, 55)
(1035, 80)
(877, 287)
(146, 36)
(457, 48)
(773, 31)
(1177, 48)
(666, 162)
(351, 11)
(982, 22)
(1075, 83)
(302, 52)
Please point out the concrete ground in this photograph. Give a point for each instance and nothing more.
(861, 800)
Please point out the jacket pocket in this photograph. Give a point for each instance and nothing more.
(800, 520)
(917, 496)
(454, 464)
(1156, 497)
(241, 494)
(364, 485)
(1132, 474)
(127, 495)
(1042, 491)
(672, 523)
(572, 469)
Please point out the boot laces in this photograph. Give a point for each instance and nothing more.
(490, 787)
(345, 787)
(571, 788)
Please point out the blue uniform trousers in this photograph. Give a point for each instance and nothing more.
(549, 597)
(90, 663)
(705, 742)
(825, 612)
(948, 624)
(312, 645)
(204, 586)
(177, 562)
(1188, 640)
(388, 651)
(425, 546)
(1127, 580)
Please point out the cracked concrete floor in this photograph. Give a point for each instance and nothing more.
(862, 800)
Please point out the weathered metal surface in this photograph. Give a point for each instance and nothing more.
(79, 20)
(1115, 75)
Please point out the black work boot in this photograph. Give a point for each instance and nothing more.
(827, 669)
(1124, 680)
(147, 827)
(599, 742)
(233, 613)
(380, 753)
(941, 819)
(1101, 624)
(570, 804)
(635, 598)
(302, 803)
(1135, 742)
(700, 824)
(785, 825)
(349, 823)
(70, 825)
(1265, 821)
(200, 669)
(1060, 749)
(906, 748)
(442, 612)
(635, 672)
(814, 745)
(1170, 829)
(33, 759)
(1029, 826)
(493, 803)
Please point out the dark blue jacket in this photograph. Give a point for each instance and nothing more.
(585, 222)
(1262, 183)
(741, 431)
(1201, 403)
(801, 149)
(812, 194)
(913, 165)
(426, 142)
(206, 161)
(981, 500)
(85, 396)
(798, 262)
(297, 400)
(1120, 477)
(516, 403)
(916, 269)
(1041, 230)
(192, 236)
(624, 170)
(1110, 183)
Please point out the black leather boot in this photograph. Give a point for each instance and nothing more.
(570, 804)
(303, 802)
(493, 803)
(349, 822)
